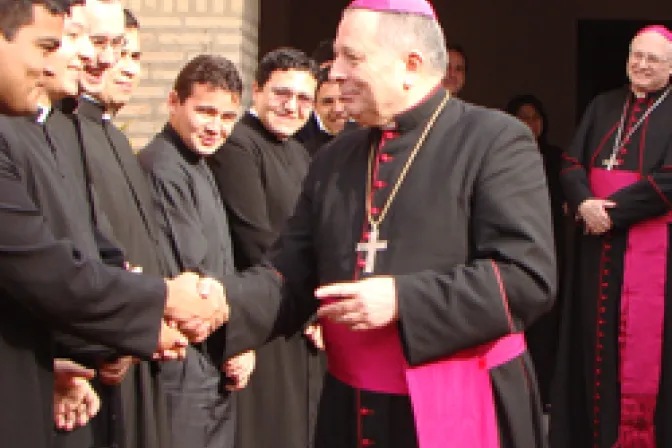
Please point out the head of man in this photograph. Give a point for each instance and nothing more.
(30, 31)
(456, 70)
(531, 111)
(204, 103)
(284, 91)
(649, 63)
(122, 79)
(387, 61)
(106, 32)
(328, 104)
(64, 67)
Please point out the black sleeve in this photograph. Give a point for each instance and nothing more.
(648, 198)
(52, 279)
(510, 279)
(276, 298)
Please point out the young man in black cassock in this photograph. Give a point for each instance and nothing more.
(194, 236)
(612, 377)
(435, 223)
(48, 282)
(259, 171)
(329, 113)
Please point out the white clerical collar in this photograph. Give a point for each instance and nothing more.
(42, 114)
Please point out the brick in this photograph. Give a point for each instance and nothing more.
(162, 56)
(236, 7)
(159, 22)
(218, 23)
(151, 92)
(202, 6)
(144, 128)
(165, 75)
(167, 6)
(184, 38)
(135, 109)
(182, 6)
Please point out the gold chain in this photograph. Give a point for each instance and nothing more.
(375, 223)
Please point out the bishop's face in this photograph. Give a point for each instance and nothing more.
(65, 66)
(650, 62)
(285, 102)
(371, 74)
(24, 57)
(205, 119)
(122, 79)
(106, 28)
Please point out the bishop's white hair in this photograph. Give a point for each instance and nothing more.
(407, 32)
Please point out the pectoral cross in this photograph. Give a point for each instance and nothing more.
(371, 247)
(611, 163)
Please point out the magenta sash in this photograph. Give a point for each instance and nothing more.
(452, 399)
(642, 309)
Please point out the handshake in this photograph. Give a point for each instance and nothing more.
(195, 307)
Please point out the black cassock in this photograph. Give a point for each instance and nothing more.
(585, 409)
(193, 236)
(48, 283)
(121, 208)
(260, 178)
(474, 196)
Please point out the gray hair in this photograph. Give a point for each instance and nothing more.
(406, 32)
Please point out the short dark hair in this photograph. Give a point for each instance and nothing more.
(210, 69)
(284, 59)
(15, 14)
(130, 20)
(323, 76)
(324, 52)
(459, 49)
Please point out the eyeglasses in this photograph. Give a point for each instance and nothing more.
(285, 94)
(649, 58)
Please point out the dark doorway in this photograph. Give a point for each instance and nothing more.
(601, 56)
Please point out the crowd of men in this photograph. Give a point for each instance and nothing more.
(353, 261)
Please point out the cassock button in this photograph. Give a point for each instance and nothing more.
(379, 184)
(368, 442)
(366, 411)
(361, 263)
(385, 157)
(375, 210)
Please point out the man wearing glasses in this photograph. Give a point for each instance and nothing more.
(617, 179)
(259, 171)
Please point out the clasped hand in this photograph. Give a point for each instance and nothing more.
(595, 217)
(195, 308)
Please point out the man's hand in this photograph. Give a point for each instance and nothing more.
(595, 216)
(111, 374)
(361, 305)
(239, 369)
(172, 344)
(75, 401)
(314, 335)
(197, 306)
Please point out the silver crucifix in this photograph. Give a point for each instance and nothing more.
(371, 247)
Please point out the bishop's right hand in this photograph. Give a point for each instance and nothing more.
(196, 306)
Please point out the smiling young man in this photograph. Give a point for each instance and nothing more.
(123, 78)
(615, 360)
(194, 236)
(259, 171)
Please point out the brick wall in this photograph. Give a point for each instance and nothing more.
(172, 32)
